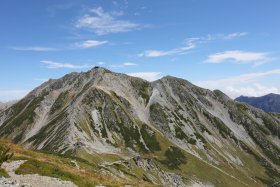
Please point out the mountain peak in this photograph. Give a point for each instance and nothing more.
(272, 94)
(176, 79)
(99, 69)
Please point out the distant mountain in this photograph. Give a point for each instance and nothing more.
(6, 105)
(2, 106)
(268, 103)
(168, 132)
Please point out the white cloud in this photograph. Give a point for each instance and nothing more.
(105, 22)
(100, 63)
(244, 84)
(56, 65)
(129, 64)
(9, 95)
(149, 76)
(90, 43)
(235, 35)
(255, 90)
(125, 64)
(36, 49)
(190, 44)
(240, 79)
(240, 57)
(229, 36)
(154, 53)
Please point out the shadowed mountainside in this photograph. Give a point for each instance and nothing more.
(268, 103)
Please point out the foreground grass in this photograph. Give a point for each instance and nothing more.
(61, 167)
(47, 169)
(3, 173)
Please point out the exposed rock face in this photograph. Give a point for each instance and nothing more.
(268, 103)
(102, 112)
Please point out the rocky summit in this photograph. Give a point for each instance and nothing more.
(168, 132)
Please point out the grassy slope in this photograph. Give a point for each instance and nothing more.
(195, 168)
(61, 167)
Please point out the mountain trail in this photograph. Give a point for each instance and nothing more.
(29, 180)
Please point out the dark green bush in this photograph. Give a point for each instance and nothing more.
(174, 158)
(150, 138)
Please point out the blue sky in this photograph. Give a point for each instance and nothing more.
(233, 46)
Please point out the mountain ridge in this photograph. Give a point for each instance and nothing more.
(268, 103)
(100, 112)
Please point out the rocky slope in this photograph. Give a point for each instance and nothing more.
(165, 132)
(268, 103)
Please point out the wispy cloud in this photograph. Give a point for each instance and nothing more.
(100, 63)
(242, 84)
(235, 35)
(255, 90)
(101, 22)
(36, 49)
(9, 95)
(125, 64)
(129, 64)
(149, 76)
(57, 65)
(229, 36)
(190, 44)
(90, 43)
(240, 57)
(244, 78)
